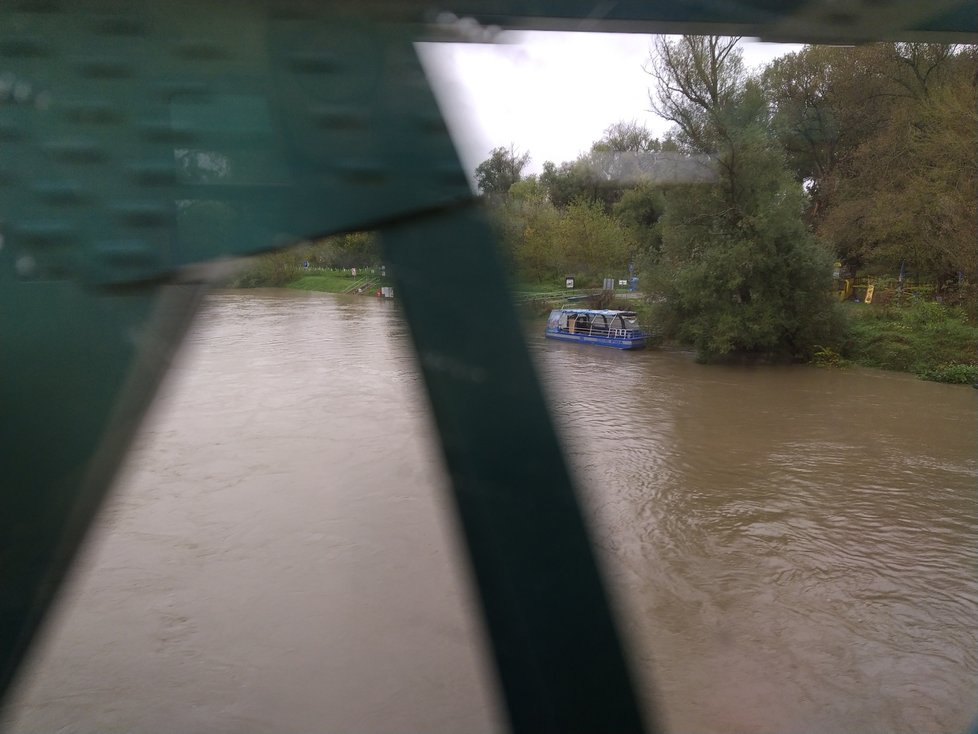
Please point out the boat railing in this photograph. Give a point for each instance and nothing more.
(597, 330)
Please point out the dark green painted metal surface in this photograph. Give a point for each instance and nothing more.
(138, 140)
(801, 21)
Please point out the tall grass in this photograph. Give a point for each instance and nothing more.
(927, 338)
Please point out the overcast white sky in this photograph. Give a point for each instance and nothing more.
(551, 94)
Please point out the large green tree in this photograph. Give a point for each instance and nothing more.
(739, 270)
(905, 194)
(528, 224)
(542, 242)
(805, 121)
(612, 166)
(592, 244)
(572, 181)
(639, 211)
(884, 137)
(627, 137)
(504, 167)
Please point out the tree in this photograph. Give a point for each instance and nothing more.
(639, 211)
(542, 242)
(908, 191)
(504, 167)
(752, 282)
(527, 223)
(528, 189)
(626, 137)
(537, 254)
(918, 67)
(612, 166)
(591, 242)
(619, 160)
(698, 80)
(739, 270)
(572, 181)
(829, 102)
(799, 87)
(884, 136)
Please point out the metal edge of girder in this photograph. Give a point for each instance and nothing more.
(943, 21)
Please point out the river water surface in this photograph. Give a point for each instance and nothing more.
(792, 549)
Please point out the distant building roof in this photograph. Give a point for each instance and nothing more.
(658, 167)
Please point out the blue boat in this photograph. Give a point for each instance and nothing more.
(603, 328)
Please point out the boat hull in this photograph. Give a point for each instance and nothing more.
(598, 341)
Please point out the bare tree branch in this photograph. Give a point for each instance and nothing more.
(697, 79)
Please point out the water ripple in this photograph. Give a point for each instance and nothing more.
(824, 522)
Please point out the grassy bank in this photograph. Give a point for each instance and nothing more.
(267, 275)
(926, 338)
(332, 282)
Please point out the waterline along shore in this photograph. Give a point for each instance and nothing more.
(924, 337)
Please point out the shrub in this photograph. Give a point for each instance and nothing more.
(955, 374)
(827, 357)
(918, 338)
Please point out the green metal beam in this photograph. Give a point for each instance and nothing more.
(786, 21)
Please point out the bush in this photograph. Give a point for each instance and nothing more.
(827, 357)
(266, 271)
(276, 269)
(920, 338)
(955, 374)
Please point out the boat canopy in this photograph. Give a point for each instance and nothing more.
(597, 312)
(595, 322)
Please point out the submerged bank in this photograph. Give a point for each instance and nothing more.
(927, 338)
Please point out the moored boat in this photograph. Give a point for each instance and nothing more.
(600, 327)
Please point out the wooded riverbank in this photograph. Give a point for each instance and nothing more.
(924, 337)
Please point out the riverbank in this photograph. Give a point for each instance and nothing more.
(337, 282)
(312, 279)
(926, 338)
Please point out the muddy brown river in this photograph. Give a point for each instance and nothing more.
(793, 550)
